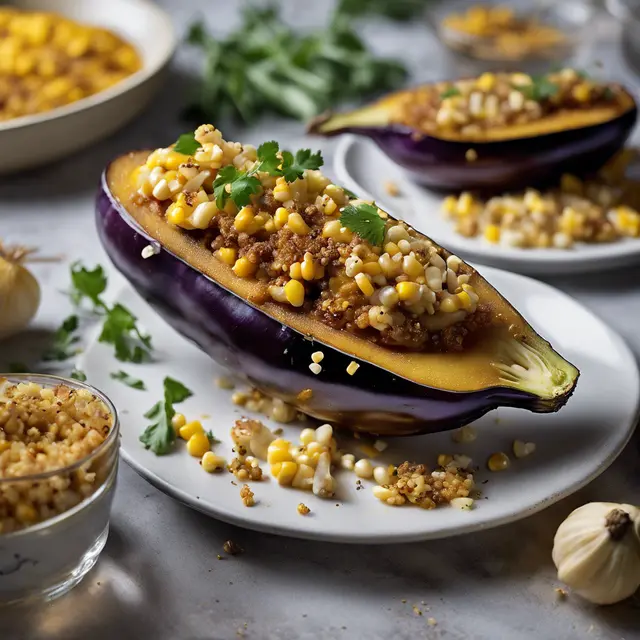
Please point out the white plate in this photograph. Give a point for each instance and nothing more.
(37, 139)
(573, 446)
(362, 167)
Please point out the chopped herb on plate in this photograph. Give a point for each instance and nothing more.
(130, 381)
(79, 375)
(64, 340)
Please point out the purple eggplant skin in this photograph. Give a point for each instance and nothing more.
(275, 358)
(442, 165)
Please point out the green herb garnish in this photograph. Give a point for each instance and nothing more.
(450, 92)
(119, 327)
(239, 186)
(186, 144)
(540, 89)
(160, 436)
(212, 439)
(130, 381)
(608, 93)
(266, 66)
(64, 340)
(77, 374)
(364, 220)
(400, 10)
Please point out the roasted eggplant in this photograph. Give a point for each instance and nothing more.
(270, 345)
(442, 136)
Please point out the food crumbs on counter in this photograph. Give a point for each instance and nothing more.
(471, 155)
(523, 449)
(315, 368)
(219, 557)
(247, 496)
(303, 510)
(232, 548)
(561, 593)
(432, 622)
(278, 432)
(403, 601)
(353, 367)
(416, 610)
(304, 395)
(225, 382)
(245, 467)
(498, 461)
(392, 188)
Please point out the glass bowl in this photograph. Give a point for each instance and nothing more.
(47, 559)
(475, 53)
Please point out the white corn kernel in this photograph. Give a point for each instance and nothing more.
(352, 368)
(380, 445)
(464, 504)
(307, 436)
(348, 461)
(363, 468)
(464, 435)
(315, 368)
(523, 449)
(323, 434)
(381, 475)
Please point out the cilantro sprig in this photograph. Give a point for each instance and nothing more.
(186, 144)
(120, 326)
(130, 381)
(65, 340)
(239, 186)
(160, 435)
(450, 92)
(539, 90)
(364, 220)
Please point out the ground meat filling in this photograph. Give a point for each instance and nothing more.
(403, 292)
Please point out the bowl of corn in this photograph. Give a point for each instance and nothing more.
(59, 443)
(72, 73)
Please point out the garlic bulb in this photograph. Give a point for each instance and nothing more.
(19, 291)
(597, 551)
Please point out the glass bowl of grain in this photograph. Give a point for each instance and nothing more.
(58, 463)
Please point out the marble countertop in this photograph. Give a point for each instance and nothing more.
(159, 576)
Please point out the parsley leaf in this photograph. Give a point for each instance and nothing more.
(77, 374)
(87, 284)
(212, 438)
(235, 184)
(364, 220)
(268, 158)
(63, 340)
(187, 144)
(130, 381)
(294, 168)
(352, 196)
(450, 92)
(540, 89)
(121, 330)
(160, 436)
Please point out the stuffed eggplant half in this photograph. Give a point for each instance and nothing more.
(495, 132)
(315, 296)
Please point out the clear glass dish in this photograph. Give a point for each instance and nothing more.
(477, 53)
(47, 559)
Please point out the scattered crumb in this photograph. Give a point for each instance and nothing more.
(232, 548)
(471, 155)
(225, 383)
(416, 610)
(561, 593)
(235, 484)
(432, 622)
(303, 510)
(403, 601)
(219, 557)
(205, 416)
(392, 188)
(247, 496)
(278, 432)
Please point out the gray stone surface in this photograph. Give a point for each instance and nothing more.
(159, 577)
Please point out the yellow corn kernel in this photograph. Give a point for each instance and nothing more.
(4, 445)
(212, 462)
(328, 205)
(498, 462)
(492, 233)
(269, 225)
(178, 421)
(450, 204)
(407, 290)
(294, 292)
(449, 304)
(295, 271)
(444, 459)
(281, 191)
(244, 268)
(226, 255)
(391, 248)
(244, 220)
(280, 218)
(571, 184)
(190, 429)
(307, 268)
(198, 444)
(337, 194)
(364, 284)
(368, 450)
(297, 224)
(286, 473)
(278, 451)
(25, 513)
(465, 204)
(318, 273)
(176, 214)
(486, 82)
(174, 159)
(372, 268)
(465, 300)
(582, 92)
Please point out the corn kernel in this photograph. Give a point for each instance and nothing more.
(176, 215)
(582, 92)
(226, 255)
(352, 367)
(297, 224)
(295, 271)
(391, 248)
(198, 444)
(294, 292)
(450, 304)
(286, 473)
(178, 421)
(492, 233)
(190, 429)
(244, 219)
(364, 284)
(244, 268)
(212, 462)
(571, 184)
(465, 204)
(444, 459)
(498, 462)
(465, 300)
(278, 451)
(280, 217)
(307, 268)
(408, 291)
(486, 82)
